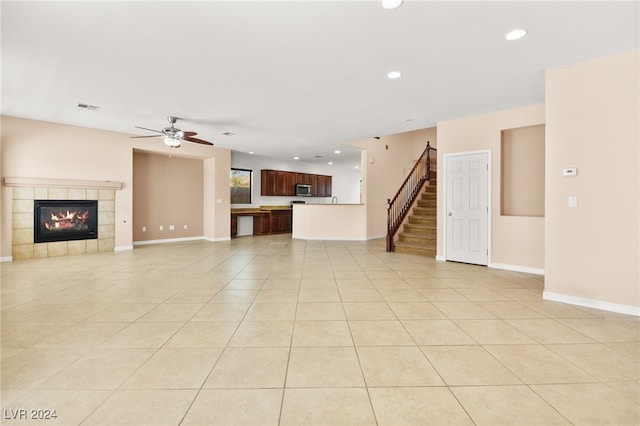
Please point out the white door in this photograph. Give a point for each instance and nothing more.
(467, 204)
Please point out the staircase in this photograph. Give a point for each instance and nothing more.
(419, 233)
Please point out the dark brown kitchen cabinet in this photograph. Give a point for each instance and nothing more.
(303, 178)
(290, 190)
(326, 185)
(261, 224)
(283, 183)
(323, 186)
(268, 182)
(281, 221)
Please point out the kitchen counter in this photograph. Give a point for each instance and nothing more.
(330, 222)
(260, 209)
(275, 208)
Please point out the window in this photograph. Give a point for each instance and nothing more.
(240, 186)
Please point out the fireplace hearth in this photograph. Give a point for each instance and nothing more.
(65, 220)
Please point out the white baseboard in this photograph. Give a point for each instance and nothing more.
(168, 240)
(213, 240)
(516, 268)
(6, 259)
(592, 303)
(123, 248)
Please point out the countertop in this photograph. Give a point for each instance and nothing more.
(257, 210)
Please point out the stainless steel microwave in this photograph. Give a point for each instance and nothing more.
(303, 190)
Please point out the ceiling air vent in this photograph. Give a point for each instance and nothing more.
(89, 107)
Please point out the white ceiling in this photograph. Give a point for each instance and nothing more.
(295, 77)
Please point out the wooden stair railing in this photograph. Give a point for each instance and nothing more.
(399, 205)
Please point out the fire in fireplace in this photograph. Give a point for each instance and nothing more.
(64, 220)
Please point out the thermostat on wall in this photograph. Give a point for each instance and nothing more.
(570, 172)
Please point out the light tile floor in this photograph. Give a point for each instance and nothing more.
(269, 330)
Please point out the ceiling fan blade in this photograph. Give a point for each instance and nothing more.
(189, 134)
(149, 136)
(151, 130)
(196, 140)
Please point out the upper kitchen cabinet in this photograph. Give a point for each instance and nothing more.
(313, 179)
(323, 186)
(283, 183)
(303, 178)
(267, 182)
(291, 184)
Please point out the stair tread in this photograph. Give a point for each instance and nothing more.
(415, 249)
(414, 244)
(422, 226)
(413, 236)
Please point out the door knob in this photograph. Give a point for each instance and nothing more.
(450, 214)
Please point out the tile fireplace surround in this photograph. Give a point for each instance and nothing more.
(24, 195)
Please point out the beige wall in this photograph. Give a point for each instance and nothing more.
(592, 250)
(218, 200)
(385, 164)
(37, 149)
(522, 175)
(516, 242)
(167, 191)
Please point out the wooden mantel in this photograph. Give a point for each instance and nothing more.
(62, 183)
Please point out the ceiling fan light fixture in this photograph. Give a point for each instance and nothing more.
(171, 141)
(394, 74)
(391, 4)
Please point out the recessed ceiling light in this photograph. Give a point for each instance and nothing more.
(357, 167)
(394, 74)
(390, 4)
(330, 163)
(516, 34)
(251, 152)
(296, 158)
(337, 151)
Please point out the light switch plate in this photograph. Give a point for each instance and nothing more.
(570, 172)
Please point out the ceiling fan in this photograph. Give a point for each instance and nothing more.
(172, 136)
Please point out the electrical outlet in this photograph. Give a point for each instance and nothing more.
(573, 201)
(172, 228)
(186, 226)
(144, 229)
(161, 228)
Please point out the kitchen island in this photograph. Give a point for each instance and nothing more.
(330, 222)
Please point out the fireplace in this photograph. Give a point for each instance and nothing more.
(65, 220)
